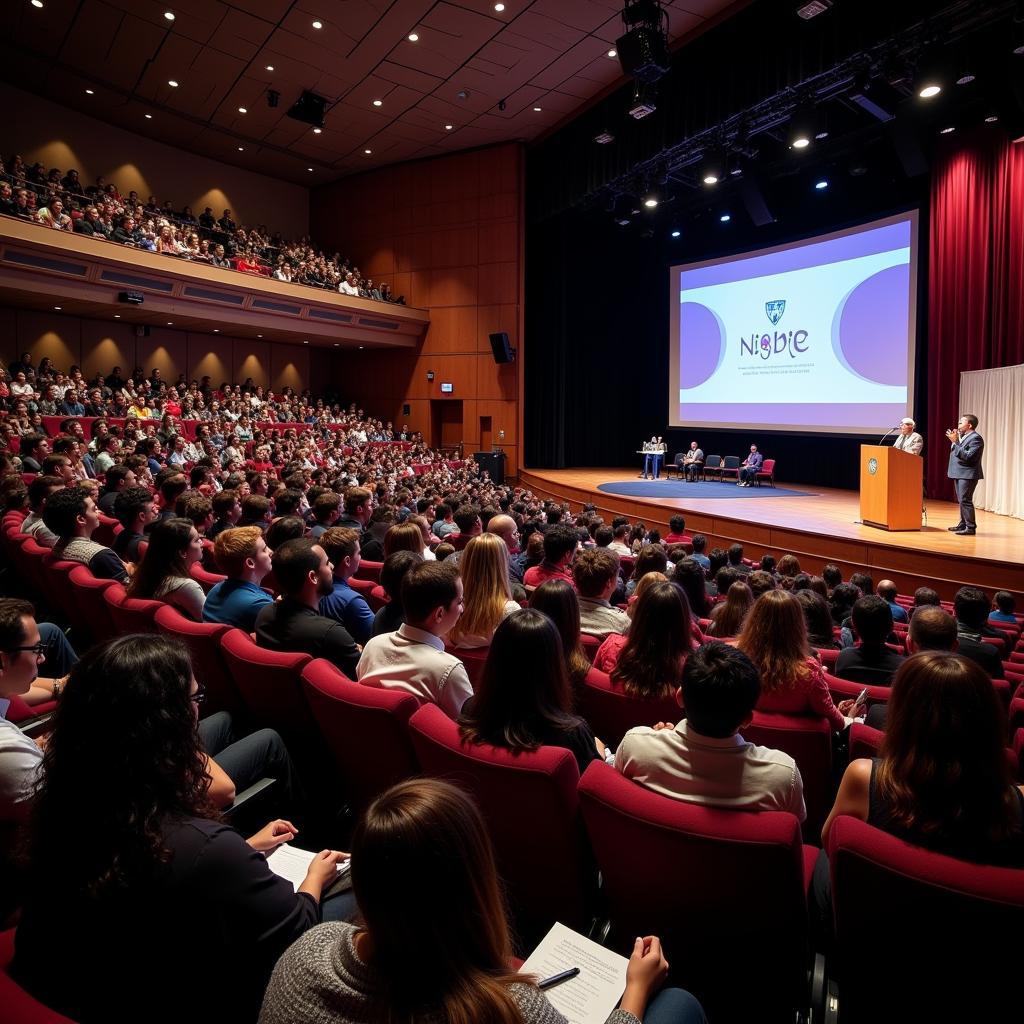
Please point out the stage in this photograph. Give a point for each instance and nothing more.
(816, 524)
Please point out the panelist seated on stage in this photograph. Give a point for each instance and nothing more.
(907, 440)
(750, 467)
(693, 461)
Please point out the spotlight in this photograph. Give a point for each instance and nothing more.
(536, 110)
(675, 234)
(948, 130)
(499, 7)
(613, 53)
(725, 218)
(929, 89)
(448, 127)
(172, 83)
(241, 149)
(318, 131)
(821, 184)
(149, 117)
(802, 128)
(713, 169)
(367, 151)
(270, 67)
(604, 138)
(39, 4)
(650, 202)
(89, 92)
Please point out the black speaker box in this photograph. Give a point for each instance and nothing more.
(501, 349)
(643, 53)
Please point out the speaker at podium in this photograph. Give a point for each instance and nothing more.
(890, 488)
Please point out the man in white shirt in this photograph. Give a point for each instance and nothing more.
(704, 759)
(348, 286)
(620, 545)
(595, 571)
(413, 658)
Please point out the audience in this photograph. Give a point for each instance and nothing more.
(304, 575)
(71, 514)
(523, 699)
(871, 661)
(595, 573)
(558, 601)
(971, 608)
(344, 603)
(560, 543)
(727, 616)
(487, 595)
(135, 510)
(243, 556)
(413, 657)
(163, 574)
(704, 759)
(392, 573)
(427, 829)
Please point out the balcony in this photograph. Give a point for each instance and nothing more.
(41, 268)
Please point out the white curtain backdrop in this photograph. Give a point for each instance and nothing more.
(996, 397)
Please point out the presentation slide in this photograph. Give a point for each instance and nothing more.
(815, 337)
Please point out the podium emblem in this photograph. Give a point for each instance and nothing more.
(774, 310)
(872, 466)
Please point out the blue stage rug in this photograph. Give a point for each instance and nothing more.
(698, 490)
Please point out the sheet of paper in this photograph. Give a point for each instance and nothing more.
(290, 863)
(592, 995)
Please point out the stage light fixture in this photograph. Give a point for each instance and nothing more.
(89, 92)
(948, 130)
(725, 218)
(929, 78)
(712, 170)
(38, 4)
(803, 127)
(604, 138)
(821, 184)
(651, 202)
(676, 234)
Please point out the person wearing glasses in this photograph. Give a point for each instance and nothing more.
(131, 865)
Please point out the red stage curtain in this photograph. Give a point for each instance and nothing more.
(975, 278)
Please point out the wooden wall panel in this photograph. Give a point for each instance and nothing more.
(45, 334)
(252, 359)
(105, 346)
(289, 367)
(210, 356)
(163, 349)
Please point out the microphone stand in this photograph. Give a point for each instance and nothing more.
(887, 433)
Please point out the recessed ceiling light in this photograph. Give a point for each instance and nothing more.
(801, 143)
(259, 335)
(367, 151)
(991, 119)
(149, 117)
(117, 316)
(448, 127)
(650, 202)
(929, 91)
(948, 130)
(89, 92)
(318, 131)
(216, 330)
(58, 308)
(172, 83)
(499, 7)
(310, 169)
(169, 15)
(378, 103)
(170, 323)
(318, 24)
(821, 185)
(710, 179)
(242, 110)
(725, 218)
(241, 149)
(613, 52)
(413, 37)
(361, 347)
(306, 342)
(675, 234)
(37, 3)
(270, 67)
(337, 343)
(536, 110)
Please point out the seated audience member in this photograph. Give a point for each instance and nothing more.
(294, 623)
(760, 582)
(344, 603)
(33, 449)
(774, 637)
(727, 616)
(125, 766)
(596, 575)
(818, 619)
(690, 576)
(403, 537)
(523, 700)
(941, 780)
(650, 558)
(788, 570)
(736, 562)
(560, 543)
(227, 510)
(971, 609)
(931, 629)
(1003, 607)
(887, 591)
(558, 601)
(117, 479)
(358, 505)
(700, 544)
(326, 511)
(704, 759)
(136, 511)
(413, 658)
(487, 595)
(384, 971)
(163, 574)
(504, 526)
(677, 531)
(285, 528)
(871, 661)
(924, 597)
(620, 543)
(71, 514)
(242, 555)
(32, 525)
(382, 518)
(392, 572)
(841, 603)
(255, 511)
(648, 662)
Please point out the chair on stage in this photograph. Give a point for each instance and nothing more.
(713, 465)
(675, 466)
(730, 465)
(766, 472)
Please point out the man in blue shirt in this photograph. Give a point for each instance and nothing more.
(345, 604)
(244, 556)
(886, 590)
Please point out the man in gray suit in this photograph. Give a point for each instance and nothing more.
(965, 470)
(909, 441)
(693, 461)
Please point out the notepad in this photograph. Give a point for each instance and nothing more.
(592, 995)
(291, 863)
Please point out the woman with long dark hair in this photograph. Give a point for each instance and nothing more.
(941, 779)
(130, 865)
(727, 616)
(558, 601)
(648, 661)
(435, 944)
(523, 700)
(163, 574)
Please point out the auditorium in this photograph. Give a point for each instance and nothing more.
(378, 384)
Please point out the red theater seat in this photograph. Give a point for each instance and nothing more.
(611, 712)
(131, 614)
(18, 1007)
(203, 640)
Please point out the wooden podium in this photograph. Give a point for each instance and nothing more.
(891, 488)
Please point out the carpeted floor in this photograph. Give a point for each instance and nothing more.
(699, 490)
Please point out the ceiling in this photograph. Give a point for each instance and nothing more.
(551, 54)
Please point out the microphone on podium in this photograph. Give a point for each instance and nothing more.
(888, 432)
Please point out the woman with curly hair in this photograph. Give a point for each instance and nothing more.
(166, 908)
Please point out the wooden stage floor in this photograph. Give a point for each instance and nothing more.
(817, 528)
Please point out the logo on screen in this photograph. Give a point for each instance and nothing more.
(774, 310)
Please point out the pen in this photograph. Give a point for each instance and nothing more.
(557, 979)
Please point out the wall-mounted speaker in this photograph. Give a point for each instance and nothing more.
(503, 352)
(141, 330)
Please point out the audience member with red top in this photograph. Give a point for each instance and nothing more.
(677, 532)
(774, 637)
(560, 544)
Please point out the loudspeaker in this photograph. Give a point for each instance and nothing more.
(643, 53)
(754, 200)
(141, 330)
(309, 109)
(501, 349)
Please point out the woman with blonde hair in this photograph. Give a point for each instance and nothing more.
(774, 638)
(487, 595)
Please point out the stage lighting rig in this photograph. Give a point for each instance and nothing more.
(643, 49)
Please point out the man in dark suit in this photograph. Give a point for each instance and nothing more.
(971, 606)
(965, 470)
